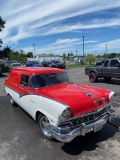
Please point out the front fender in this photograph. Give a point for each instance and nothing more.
(93, 70)
(49, 107)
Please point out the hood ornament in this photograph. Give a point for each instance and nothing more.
(89, 94)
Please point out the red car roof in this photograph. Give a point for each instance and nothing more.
(36, 70)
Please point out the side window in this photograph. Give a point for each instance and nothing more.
(24, 80)
(106, 63)
(113, 63)
(38, 81)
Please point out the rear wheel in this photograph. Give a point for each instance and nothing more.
(12, 102)
(93, 77)
(44, 125)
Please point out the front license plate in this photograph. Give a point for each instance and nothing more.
(98, 127)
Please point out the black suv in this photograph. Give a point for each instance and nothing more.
(59, 64)
(33, 64)
(48, 64)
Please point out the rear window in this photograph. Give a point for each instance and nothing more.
(24, 80)
(113, 63)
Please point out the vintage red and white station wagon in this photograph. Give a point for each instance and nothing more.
(62, 109)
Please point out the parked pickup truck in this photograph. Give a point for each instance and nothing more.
(109, 69)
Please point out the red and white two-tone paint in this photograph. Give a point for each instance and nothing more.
(62, 109)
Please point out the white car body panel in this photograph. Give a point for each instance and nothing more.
(33, 103)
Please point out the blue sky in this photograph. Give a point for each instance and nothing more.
(56, 26)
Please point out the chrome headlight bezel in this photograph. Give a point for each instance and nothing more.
(66, 113)
(112, 96)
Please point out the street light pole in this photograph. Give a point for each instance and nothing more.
(83, 46)
(34, 51)
(106, 51)
(76, 53)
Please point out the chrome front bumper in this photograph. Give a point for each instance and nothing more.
(83, 128)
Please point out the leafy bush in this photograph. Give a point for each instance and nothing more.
(5, 69)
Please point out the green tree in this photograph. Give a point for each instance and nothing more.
(29, 54)
(6, 51)
(91, 58)
(2, 25)
(64, 56)
(14, 55)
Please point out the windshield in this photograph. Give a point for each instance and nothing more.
(43, 80)
(33, 62)
(17, 65)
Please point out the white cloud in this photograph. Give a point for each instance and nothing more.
(112, 46)
(97, 23)
(28, 19)
(62, 41)
(60, 46)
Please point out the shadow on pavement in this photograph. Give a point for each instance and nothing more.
(25, 125)
(112, 81)
(4, 75)
(90, 141)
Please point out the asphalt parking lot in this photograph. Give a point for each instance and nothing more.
(20, 138)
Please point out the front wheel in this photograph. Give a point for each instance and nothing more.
(93, 77)
(45, 128)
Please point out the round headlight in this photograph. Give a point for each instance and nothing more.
(112, 96)
(66, 113)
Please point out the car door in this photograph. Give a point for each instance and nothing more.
(114, 68)
(106, 69)
(44, 64)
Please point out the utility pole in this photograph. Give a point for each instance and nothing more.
(83, 46)
(33, 51)
(76, 53)
(106, 51)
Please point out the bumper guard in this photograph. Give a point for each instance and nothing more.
(83, 128)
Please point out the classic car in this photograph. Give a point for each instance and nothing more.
(62, 109)
(14, 65)
(33, 64)
(59, 64)
(48, 64)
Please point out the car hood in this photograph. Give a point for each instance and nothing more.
(80, 98)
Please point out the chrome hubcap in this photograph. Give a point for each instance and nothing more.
(45, 126)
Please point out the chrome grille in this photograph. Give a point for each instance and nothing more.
(86, 118)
